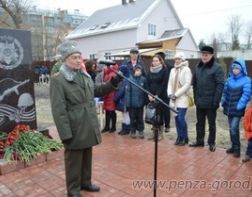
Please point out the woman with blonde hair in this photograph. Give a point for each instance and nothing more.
(178, 89)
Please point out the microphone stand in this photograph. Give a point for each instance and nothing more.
(156, 126)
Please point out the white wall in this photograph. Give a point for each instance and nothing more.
(163, 17)
(246, 54)
(109, 42)
(187, 45)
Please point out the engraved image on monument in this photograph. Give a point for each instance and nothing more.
(11, 53)
(17, 103)
(12, 86)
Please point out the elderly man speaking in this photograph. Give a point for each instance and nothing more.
(72, 94)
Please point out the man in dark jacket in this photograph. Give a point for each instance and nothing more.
(72, 94)
(208, 83)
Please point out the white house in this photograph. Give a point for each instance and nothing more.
(177, 40)
(119, 28)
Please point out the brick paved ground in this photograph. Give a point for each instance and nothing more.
(120, 161)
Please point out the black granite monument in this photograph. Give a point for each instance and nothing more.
(17, 103)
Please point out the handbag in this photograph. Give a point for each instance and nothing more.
(150, 113)
(190, 101)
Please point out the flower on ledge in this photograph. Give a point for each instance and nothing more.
(24, 143)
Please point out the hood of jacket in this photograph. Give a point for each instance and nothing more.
(242, 63)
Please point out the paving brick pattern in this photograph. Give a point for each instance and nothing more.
(119, 162)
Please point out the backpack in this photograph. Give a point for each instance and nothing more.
(247, 120)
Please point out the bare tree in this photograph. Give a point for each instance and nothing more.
(214, 42)
(201, 43)
(223, 44)
(248, 34)
(60, 30)
(221, 37)
(15, 9)
(235, 26)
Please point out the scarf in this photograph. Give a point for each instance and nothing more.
(178, 69)
(156, 69)
(68, 73)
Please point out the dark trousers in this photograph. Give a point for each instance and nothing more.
(249, 148)
(167, 117)
(136, 119)
(160, 115)
(78, 169)
(234, 131)
(110, 116)
(202, 114)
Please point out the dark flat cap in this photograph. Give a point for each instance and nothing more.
(134, 50)
(207, 49)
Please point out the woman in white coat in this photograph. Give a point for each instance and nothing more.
(178, 89)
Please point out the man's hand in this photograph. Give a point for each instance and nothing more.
(116, 80)
(67, 141)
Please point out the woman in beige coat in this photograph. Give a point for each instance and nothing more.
(178, 89)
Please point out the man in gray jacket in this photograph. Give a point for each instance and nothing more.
(208, 83)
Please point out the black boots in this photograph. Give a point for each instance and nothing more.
(113, 120)
(197, 144)
(110, 115)
(177, 141)
(181, 141)
(125, 129)
(232, 151)
(107, 121)
(212, 147)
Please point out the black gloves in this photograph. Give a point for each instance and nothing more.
(116, 80)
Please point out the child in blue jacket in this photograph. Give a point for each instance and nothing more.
(135, 99)
(236, 95)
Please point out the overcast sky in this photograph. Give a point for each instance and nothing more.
(203, 18)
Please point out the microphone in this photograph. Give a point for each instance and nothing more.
(107, 62)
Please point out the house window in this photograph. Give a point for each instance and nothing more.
(105, 25)
(169, 54)
(152, 30)
(107, 56)
(92, 56)
(93, 27)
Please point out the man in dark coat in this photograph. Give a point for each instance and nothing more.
(72, 94)
(208, 83)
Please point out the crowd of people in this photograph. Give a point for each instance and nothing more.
(42, 73)
(76, 84)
